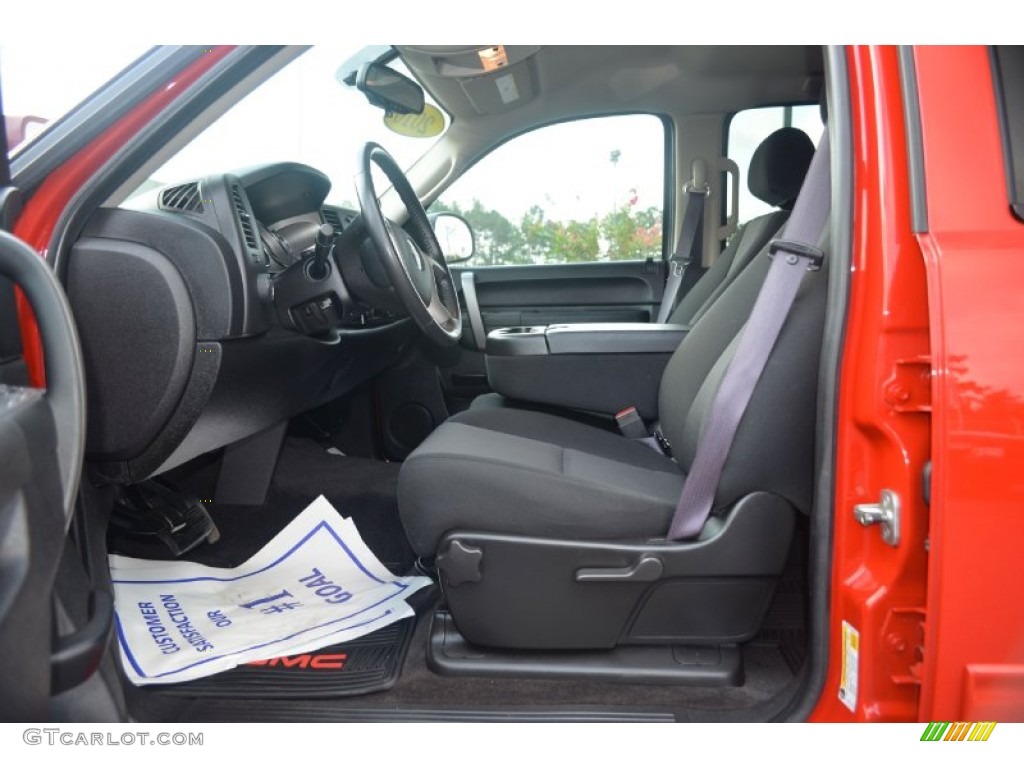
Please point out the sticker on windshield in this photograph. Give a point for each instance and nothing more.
(425, 125)
(314, 585)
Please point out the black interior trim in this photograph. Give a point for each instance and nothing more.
(10, 334)
(915, 142)
(12, 367)
(671, 183)
(5, 168)
(228, 711)
(449, 653)
(1008, 79)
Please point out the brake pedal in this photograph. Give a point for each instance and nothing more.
(151, 519)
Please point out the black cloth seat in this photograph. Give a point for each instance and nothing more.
(530, 473)
(550, 534)
(777, 170)
(511, 471)
(775, 175)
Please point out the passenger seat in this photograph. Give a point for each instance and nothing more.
(776, 173)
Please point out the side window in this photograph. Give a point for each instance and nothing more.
(749, 128)
(586, 190)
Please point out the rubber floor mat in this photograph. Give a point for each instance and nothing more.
(365, 665)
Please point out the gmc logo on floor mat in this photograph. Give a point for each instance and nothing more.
(304, 661)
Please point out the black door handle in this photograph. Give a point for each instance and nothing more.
(77, 656)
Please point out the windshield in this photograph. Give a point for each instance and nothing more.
(304, 114)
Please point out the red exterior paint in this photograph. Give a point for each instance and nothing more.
(943, 302)
(974, 648)
(36, 223)
(883, 420)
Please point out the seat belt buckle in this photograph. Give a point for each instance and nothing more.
(630, 424)
(663, 443)
(797, 250)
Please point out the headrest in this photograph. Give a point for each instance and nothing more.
(778, 167)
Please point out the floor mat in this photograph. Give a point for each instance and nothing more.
(785, 625)
(364, 665)
(364, 490)
(421, 694)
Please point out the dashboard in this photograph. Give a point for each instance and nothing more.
(198, 327)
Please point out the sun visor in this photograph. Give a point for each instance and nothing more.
(493, 78)
(459, 61)
(500, 91)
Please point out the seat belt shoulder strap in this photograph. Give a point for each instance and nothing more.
(689, 247)
(792, 256)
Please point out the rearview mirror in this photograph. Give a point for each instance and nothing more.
(454, 235)
(389, 90)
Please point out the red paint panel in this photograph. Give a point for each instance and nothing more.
(993, 692)
(974, 647)
(36, 224)
(883, 429)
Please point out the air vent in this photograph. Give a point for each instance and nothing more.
(244, 218)
(337, 219)
(185, 197)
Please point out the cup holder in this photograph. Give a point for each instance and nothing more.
(518, 340)
(522, 330)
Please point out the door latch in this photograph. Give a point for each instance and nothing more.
(886, 513)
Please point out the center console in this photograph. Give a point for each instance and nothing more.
(600, 367)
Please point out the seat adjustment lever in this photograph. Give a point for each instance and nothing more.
(647, 568)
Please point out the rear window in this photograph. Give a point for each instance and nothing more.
(749, 128)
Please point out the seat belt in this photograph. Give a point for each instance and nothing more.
(793, 255)
(689, 247)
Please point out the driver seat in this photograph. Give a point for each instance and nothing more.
(544, 528)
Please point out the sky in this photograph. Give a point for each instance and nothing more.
(48, 80)
(567, 169)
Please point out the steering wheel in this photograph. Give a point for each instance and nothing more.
(414, 263)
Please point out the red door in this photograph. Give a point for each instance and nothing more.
(883, 429)
(974, 248)
(931, 628)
